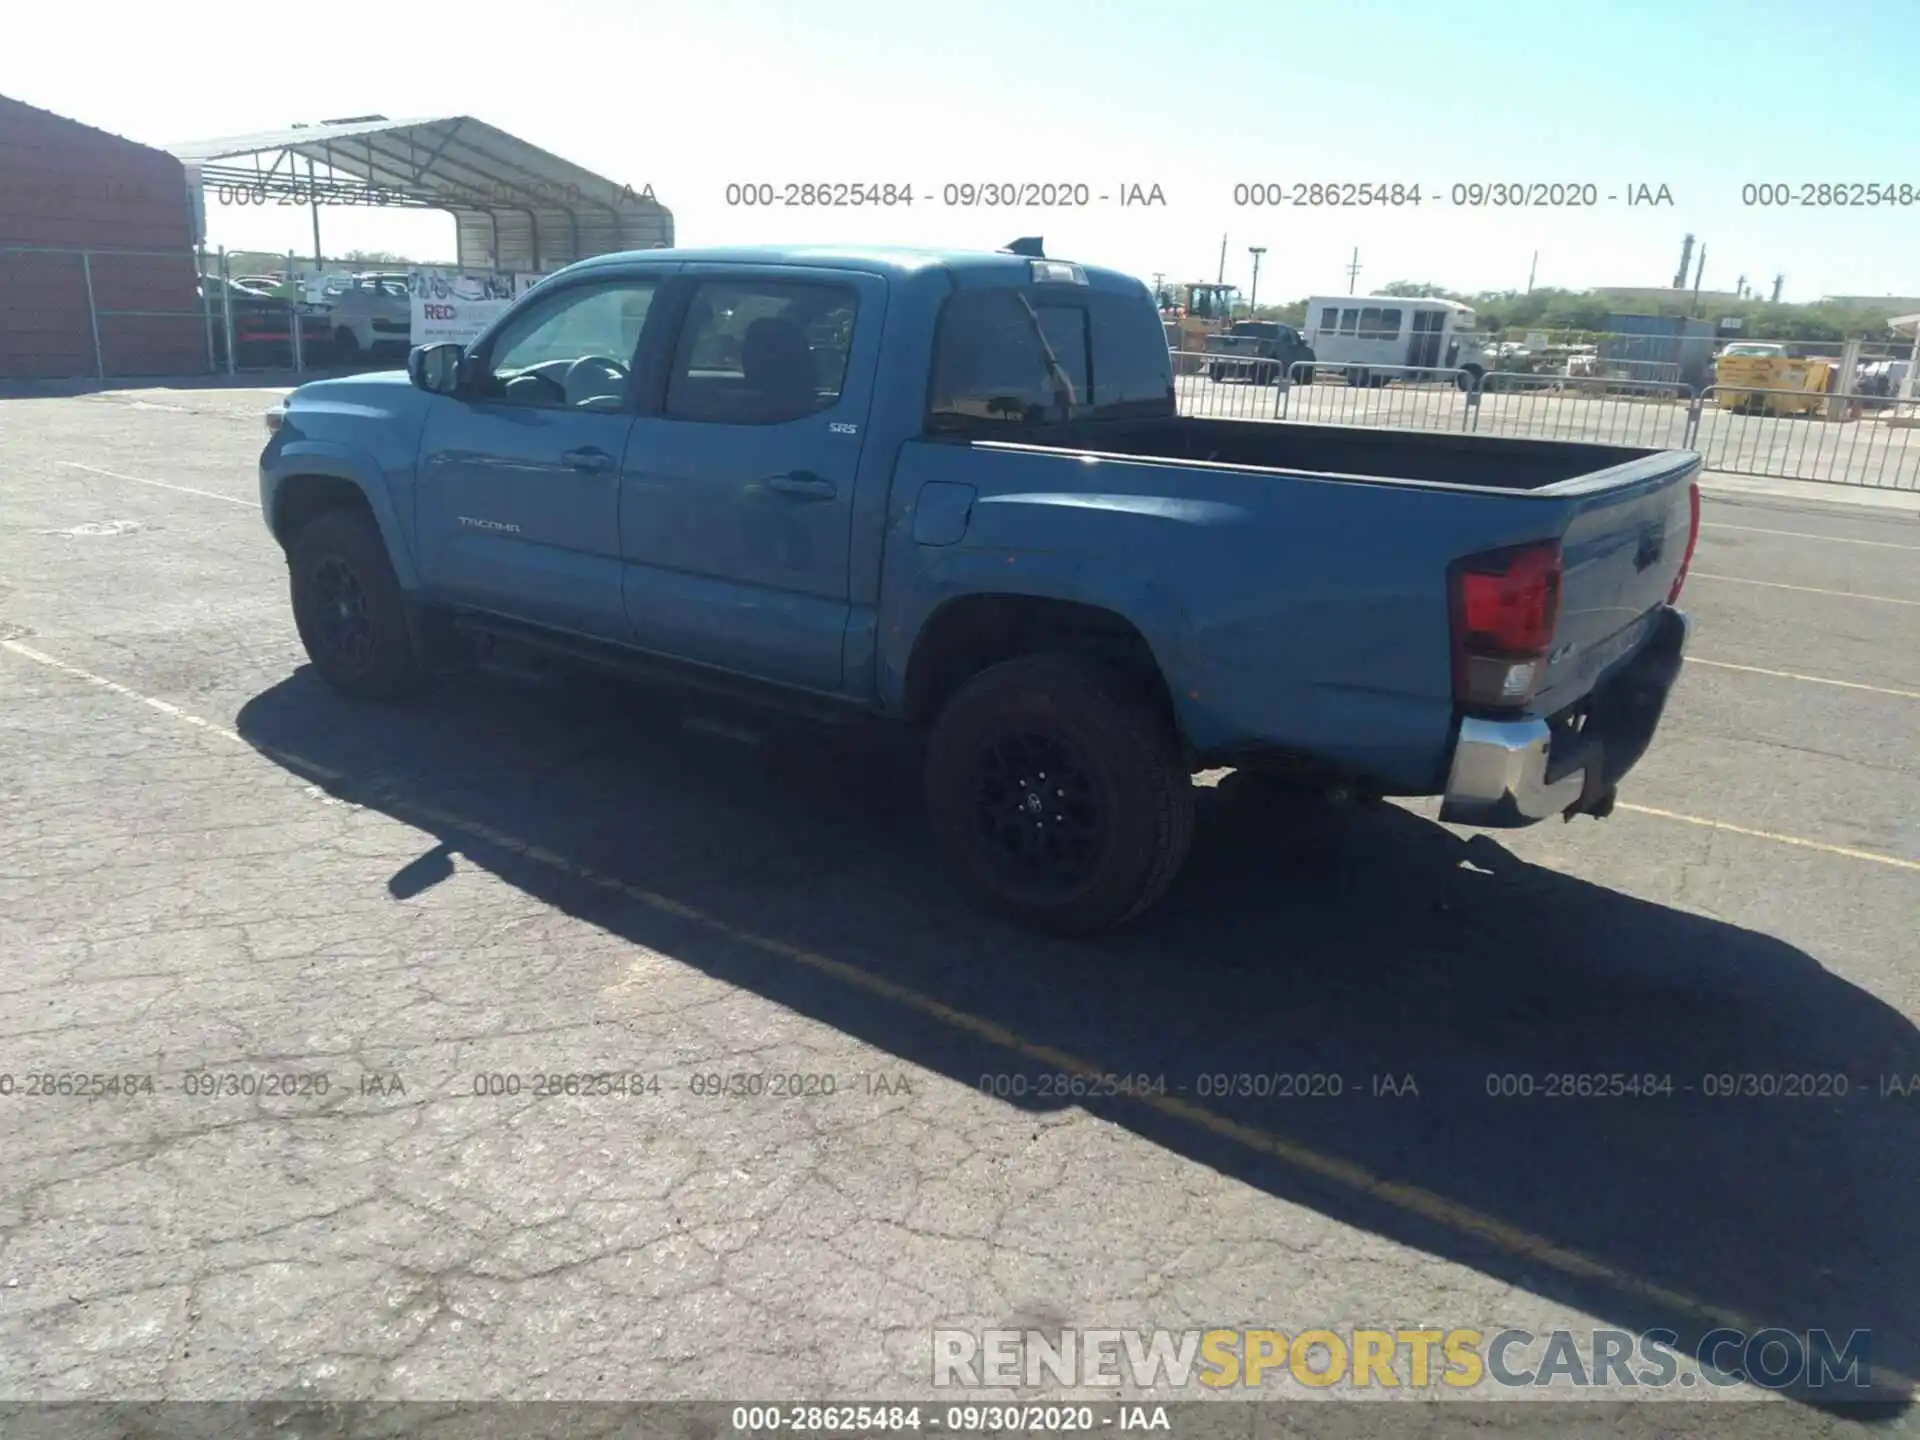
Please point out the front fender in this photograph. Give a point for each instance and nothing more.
(287, 457)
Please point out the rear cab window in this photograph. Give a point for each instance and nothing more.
(1014, 355)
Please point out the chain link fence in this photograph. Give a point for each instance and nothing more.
(68, 313)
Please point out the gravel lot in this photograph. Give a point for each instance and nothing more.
(213, 872)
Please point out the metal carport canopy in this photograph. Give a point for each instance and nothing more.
(516, 206)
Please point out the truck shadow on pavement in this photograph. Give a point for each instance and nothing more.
(1374, 950)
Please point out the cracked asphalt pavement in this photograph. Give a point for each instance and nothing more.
(328, 977)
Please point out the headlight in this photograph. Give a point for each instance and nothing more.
(275, 417)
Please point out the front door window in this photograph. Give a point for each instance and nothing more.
(575, 352)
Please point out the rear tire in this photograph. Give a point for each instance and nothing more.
(349, 610)
(1059, 794)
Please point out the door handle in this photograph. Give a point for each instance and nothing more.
(589, 458)
(805, 484)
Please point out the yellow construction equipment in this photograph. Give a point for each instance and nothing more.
(1782, 384)
(1190, 313)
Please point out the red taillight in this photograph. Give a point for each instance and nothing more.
(1505, 606)
(1512, 608)
(1693, 539)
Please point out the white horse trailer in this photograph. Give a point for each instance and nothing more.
(1401, 335)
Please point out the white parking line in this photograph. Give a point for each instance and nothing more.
(1810, 679)
(1808, 535)
(1802, 842)
(1803, 589)
(157, 484)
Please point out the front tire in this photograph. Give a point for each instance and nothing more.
(1059, 793)
(349, 610)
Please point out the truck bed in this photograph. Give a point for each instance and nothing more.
(1298, 575)
(1419, 456)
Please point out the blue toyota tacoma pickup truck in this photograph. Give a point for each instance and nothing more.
(955, 489)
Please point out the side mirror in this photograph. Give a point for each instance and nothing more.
(436, 368)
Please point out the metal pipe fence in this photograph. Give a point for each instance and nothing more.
(1404, 397)
(1853, 438)
(1596, 409)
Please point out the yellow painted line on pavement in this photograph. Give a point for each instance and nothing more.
(1809, 679)
(1345, 1174)
(1803, 589)
(1773, 835)
(1809, 535)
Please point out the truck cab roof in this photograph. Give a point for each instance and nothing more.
(899, 262)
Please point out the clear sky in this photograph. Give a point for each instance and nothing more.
(1698, 95)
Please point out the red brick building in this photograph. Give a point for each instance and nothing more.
(78, 205)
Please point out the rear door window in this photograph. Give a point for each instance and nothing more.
(761, 352)
(1014, 356)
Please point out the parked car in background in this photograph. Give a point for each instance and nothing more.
(262, 325)
(370, 315)
(1261, 352)
(1881, 379)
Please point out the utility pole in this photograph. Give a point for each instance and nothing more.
(1532, 270)
(1778, 281)
(1221, 278)
(1740, 288)
(1253, 295)
(313, 203)
(1693, 311)
(1353, 270)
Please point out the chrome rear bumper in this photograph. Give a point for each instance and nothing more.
(1508, 773)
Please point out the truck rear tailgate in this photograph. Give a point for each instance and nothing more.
(1629, 540)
